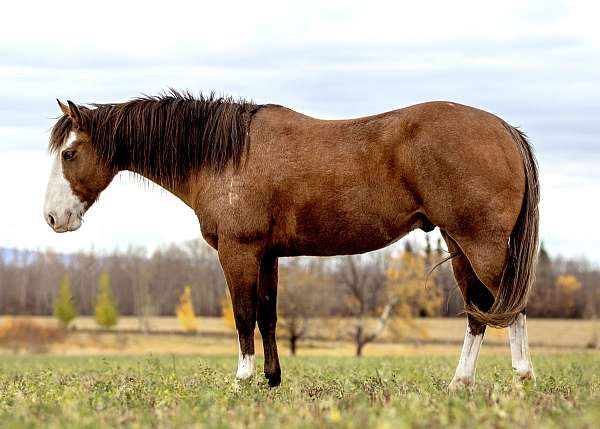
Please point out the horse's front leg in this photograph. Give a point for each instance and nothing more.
(241, 264)
(267, 317)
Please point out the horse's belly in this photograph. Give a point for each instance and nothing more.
(327, 235)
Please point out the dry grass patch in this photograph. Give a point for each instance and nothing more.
(24, 335)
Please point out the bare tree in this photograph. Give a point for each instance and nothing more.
(442, 277)
(144, 306)
(302, 288)
(364, 281)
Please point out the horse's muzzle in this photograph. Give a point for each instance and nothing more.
(65, 221)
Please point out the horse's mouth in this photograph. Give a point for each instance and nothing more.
(67, 229)
(73, 224)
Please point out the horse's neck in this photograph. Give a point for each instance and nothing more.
(180, 189)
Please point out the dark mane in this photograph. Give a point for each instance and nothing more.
(165, 137)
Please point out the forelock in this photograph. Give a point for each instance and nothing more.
(60, 132)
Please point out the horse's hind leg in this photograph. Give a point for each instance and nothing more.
(519, 348)
(485, 262)
(267, 317)
(473, 290)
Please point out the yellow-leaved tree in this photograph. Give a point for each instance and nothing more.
(414, 289)
(185, 311)
(568, 285)
(227, 310)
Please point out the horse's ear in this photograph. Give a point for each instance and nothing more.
(63, 108)
(75, 114)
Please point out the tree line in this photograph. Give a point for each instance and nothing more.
(393, 283)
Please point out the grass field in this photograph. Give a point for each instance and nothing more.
(122, 378)
(372, 392)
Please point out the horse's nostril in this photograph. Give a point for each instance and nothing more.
(51, 220)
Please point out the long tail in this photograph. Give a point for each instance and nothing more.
(519, 270)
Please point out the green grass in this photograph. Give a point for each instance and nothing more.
(363, 393)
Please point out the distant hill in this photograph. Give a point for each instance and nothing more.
(10, 256)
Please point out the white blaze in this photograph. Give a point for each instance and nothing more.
(519, 348)
(62, 208)
(467, 364)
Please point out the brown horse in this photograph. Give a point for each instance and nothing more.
(268, 182)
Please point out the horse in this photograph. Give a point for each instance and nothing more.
(268, 182)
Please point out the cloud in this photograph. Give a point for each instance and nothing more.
(535, 64)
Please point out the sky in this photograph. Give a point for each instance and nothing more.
(536, 64)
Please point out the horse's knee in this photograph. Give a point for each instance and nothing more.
(267, 323)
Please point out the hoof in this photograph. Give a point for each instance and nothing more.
(524, 370)
(273, 379)
(244, 376)
(526, 376)
(458, 383)
(241, 383)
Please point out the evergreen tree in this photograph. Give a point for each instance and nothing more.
(64, 307)
(106, 312)
(185, 311)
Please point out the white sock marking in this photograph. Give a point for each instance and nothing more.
(246, 365)
(467, 364)
(519, 348)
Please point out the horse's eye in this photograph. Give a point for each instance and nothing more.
(68, 154)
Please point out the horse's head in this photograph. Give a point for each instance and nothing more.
(78, 174)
